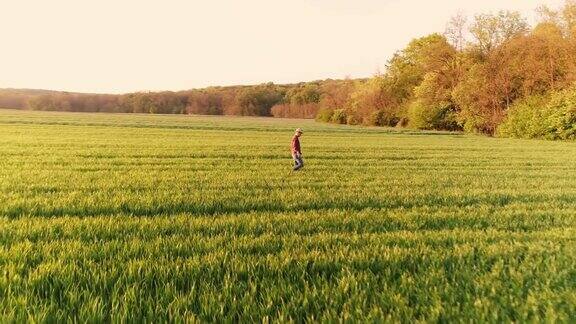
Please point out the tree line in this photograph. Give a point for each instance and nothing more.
(491, 74)
(302, 100)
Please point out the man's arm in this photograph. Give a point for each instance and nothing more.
(298, 147)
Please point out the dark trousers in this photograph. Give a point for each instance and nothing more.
(298, 162)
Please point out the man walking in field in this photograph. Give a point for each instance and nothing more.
(296, 151)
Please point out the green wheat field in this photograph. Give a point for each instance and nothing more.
(153, 218)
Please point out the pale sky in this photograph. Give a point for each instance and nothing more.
(116, 46)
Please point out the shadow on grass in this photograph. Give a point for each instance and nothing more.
(239, 207)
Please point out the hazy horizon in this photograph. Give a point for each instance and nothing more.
(110, 47)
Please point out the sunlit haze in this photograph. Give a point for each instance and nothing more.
(118, 46)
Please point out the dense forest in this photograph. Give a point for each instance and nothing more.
(492, 73)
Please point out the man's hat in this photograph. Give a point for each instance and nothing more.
(298, 130)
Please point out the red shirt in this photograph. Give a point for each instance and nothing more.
(296, 145)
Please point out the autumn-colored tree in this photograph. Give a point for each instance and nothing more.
(541, 61)
(373, 103)
(492, 30)
(300, 101)
(335, 95)
(205, 102)
(257, 101)
(489, 84)
(307, 93)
